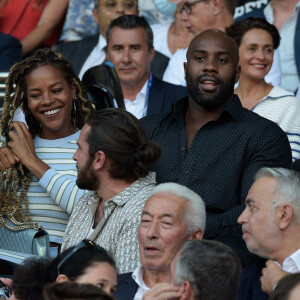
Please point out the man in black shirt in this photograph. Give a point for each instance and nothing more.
(212, 144)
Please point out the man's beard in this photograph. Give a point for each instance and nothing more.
(87, 178)
(206, 100)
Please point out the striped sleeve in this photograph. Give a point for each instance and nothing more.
(62, 189)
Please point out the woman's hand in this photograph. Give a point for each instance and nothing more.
(7, 158)
(21, 142)
(22, 147)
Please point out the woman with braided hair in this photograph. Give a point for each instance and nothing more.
(38, 174)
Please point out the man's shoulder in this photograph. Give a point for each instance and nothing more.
(127, 287)
(87, 198)
(125, 277)
(67, 48)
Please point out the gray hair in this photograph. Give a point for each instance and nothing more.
(287, 186)
(212, 268)
(195, 215)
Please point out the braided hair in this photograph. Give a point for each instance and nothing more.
(14, 182)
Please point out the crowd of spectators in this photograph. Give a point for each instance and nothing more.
(192, 191)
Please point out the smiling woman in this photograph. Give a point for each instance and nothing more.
(38, 174)
(257, 39)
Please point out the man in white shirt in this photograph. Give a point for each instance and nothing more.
(271, 223)
(172, 215)
(90, 52)
(130, 49)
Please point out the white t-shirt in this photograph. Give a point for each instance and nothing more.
(290, 77)
(160, 38)
(96, 57)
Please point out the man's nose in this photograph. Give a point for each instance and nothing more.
(243, 217)
(184, 16)
(120, 9)
(153, 230)
(126, 55)
(210, 65)
(75, 155)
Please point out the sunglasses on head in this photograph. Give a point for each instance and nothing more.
(83, 244)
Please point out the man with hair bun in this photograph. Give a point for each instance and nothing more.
(113, 161)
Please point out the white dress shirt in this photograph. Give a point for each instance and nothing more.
(138, 107)
(290, 78)
(137, 276)
(96, 57)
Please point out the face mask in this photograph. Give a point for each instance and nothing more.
(165, 7)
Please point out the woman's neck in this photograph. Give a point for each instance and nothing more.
(251, 92)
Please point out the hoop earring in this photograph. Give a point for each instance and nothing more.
(74, 109)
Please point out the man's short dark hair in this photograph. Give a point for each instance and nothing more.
(120, 135)
(230, 5)
(212, 268)
(132, 22)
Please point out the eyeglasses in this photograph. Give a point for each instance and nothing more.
(128, 5)
(187, 6)
(83, 244)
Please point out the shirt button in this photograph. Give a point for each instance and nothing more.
(182, 148)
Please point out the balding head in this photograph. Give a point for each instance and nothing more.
(217, 37)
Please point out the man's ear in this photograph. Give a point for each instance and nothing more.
(95, 15)
(62, 278)
(184, 67)
(196, 235)
(237, 73)
(284, 216)
(151, 54)
(186, 290)
(99, 160)
(217, 6)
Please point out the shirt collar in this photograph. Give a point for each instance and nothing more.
(233, 109)
(101, 43)
(137, 276)
(122, 198)
(292, 263)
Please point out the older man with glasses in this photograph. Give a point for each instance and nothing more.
(199, 15)
(90, 52)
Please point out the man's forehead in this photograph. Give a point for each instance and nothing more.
(132, 35)
(213, 41)
(165, 204)
(261, 190)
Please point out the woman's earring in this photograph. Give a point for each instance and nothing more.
(74, 108)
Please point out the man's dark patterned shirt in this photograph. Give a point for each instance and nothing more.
(222, 161)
